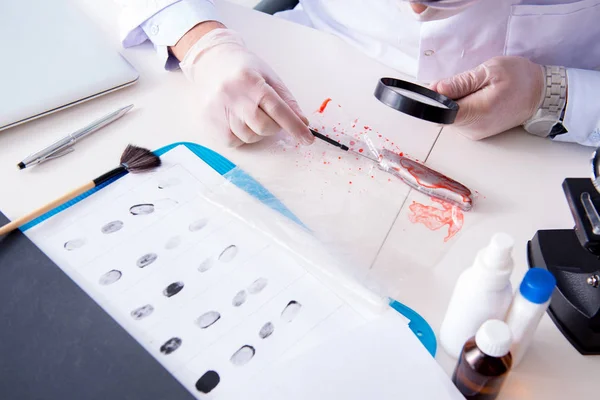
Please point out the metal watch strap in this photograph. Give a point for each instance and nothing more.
(555, 96)
(556, 90)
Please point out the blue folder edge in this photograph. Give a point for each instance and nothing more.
(223, 166)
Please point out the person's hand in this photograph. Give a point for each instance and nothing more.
(499, 94)
(242, 91)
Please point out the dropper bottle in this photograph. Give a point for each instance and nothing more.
(482, 292)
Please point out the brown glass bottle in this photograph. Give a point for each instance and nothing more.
(479, 376)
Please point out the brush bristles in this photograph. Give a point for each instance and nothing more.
(137, 159)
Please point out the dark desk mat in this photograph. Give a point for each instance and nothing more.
(57, 343)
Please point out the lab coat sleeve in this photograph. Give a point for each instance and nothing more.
(582, 116)
(163, 22)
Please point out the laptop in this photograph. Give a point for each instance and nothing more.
(52, 57)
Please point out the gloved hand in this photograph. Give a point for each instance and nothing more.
(242, 90)
(499, 94)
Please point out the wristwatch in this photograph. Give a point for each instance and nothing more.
(548, 119)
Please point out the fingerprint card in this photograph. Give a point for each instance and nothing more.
(213, 299)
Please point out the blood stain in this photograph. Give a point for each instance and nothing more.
(360, 150)
(350, 182)
(435, 218)
(324, 105)
(352, 143)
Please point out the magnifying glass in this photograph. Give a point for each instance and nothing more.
(417, 101)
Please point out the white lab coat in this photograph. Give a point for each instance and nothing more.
(550, 32)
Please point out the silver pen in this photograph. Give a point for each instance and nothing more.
(63, 146)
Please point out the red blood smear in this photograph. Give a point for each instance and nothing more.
(360, 150)
(324, 105)
(351, 182)
(435, 218)
(352, 143)
(380, 136)
(367, 127)
(423, 174)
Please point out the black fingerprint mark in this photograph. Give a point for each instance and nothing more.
(74, 244)
(173, 289)
(173, 242)
(110, 277)
(243, 355)
(206, 264)
(170, 345)
(165, 183)
(112, 227)
(207, 319)
(239, 298)
(141, 209)
(258, 285)
(198, 224)
(142, 312)
(290, 311)
(146, 260)
(208, 382)
(266, 330)
(228, 254)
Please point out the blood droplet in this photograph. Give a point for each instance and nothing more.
(401, 154)
(367, 127)
(360, 150)
(352, 143)
(324, 105)
(350, 182)
(435, 218)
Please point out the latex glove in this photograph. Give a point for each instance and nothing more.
(500, 94)
(242, 91)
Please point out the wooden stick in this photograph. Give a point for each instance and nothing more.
(44, 209)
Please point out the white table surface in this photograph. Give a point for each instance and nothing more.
(519, 179)
(518, 176)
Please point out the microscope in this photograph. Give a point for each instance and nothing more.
(573, 257)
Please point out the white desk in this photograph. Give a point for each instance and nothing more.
(316, 66)
(166, 112)
(519, 179)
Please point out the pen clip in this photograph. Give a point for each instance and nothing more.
(60, 153)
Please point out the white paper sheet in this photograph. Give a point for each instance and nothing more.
(191, 282)
(380, 360)
(205, 293)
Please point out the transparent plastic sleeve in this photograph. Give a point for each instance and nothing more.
(338, 210)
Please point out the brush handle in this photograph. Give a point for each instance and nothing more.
(329, 140)
(44, 209)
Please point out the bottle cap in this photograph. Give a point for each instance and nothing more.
(494, 338)
(537, 285)
(498, 253)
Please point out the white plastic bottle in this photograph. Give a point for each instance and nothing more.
(482, 292)
(528, 307)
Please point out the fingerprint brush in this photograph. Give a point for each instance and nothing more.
(134, 159)
(340, 145)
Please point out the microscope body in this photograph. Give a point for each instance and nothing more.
(573, 257)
